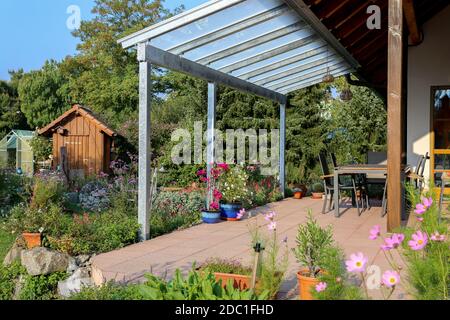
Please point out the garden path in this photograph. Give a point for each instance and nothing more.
(180, 249)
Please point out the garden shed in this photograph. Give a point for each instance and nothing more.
(16, 152)
(82, 143)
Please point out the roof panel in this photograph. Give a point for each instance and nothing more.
(264, 42)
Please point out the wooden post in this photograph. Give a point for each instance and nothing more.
(394, 116)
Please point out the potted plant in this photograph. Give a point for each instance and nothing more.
(313, 242)
(298, 193)
(211, 214)
(229, 270)
(233, 190)
(317, 191)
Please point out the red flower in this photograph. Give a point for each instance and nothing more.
(214, 205)
(201, 172)
(223, 166)
(217, 194)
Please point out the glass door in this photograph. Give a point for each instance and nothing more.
(440, 134)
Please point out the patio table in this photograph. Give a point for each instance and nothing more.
(357, 169)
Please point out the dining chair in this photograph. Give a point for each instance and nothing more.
(361, 184)
(328, 182)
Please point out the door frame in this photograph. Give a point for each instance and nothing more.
(443, 151)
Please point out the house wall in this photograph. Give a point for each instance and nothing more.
(428, 65)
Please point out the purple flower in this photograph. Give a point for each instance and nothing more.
(438, 237)
(272, 226)
(390, 278)
(393, 242)
(321, 286)
(356, 263)
(375, 232)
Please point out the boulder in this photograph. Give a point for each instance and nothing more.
(73, 265)
(14, 254)
(82, 260)
(41, 260)
(78, 280)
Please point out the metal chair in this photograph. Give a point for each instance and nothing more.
(417, 176)
(328, 182)
(361, 184)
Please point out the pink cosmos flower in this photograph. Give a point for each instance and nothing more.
(393, 242)
(356, 263)
(272, 226)
(241, 214)
(420, 209)
(321, 286)
(390, 278)
(418, 241)
(438, 237)
(269, 216)
(427, 202)
(420, 219)
(375, 232)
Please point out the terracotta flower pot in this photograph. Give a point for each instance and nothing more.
(298, 195)
(240, 281)
(317, 195)
(32, 239)
(306, 284)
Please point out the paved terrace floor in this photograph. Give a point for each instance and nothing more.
(180, 249)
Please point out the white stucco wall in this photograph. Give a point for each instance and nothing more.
(428, 65)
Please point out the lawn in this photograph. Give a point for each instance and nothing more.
(6, 241)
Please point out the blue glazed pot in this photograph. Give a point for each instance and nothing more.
(229, 211)
(210, 216)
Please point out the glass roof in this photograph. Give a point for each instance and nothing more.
(264, 42)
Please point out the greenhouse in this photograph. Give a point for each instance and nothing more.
(16, 152)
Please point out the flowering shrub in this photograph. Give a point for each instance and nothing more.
(94, 197)
(233, 185)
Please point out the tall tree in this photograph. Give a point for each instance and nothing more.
(43, 94)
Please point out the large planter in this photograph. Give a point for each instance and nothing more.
(298, 195)
(210, 216)
(317, 195)
(239, 281)
(32, 240)
(229, 211)
(306, 284)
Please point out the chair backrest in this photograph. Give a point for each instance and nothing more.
(333, 160)
(419, 164)
(376, 157)
(424, 161)
(324, 165)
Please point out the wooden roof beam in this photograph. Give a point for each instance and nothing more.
(411, 21)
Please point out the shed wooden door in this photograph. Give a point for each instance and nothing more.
(77, 153)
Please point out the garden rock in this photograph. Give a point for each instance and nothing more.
(41, 260)
(77, 281)
(14, 254)
(83, 260)
(73, 265)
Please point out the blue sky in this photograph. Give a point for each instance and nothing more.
(35, 30)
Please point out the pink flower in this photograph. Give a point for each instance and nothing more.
(223, 166)
(420, 219)
(418, 241)
(420, 209)
(269, 216)
(321, 286)
(438, 237)
(241, 214)
(356, 263)
(214, 205)
(375, 232)
(427, 202)
(272, 226)
(390, 278)
(393, 242)
(217, 194)
(201, 172)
